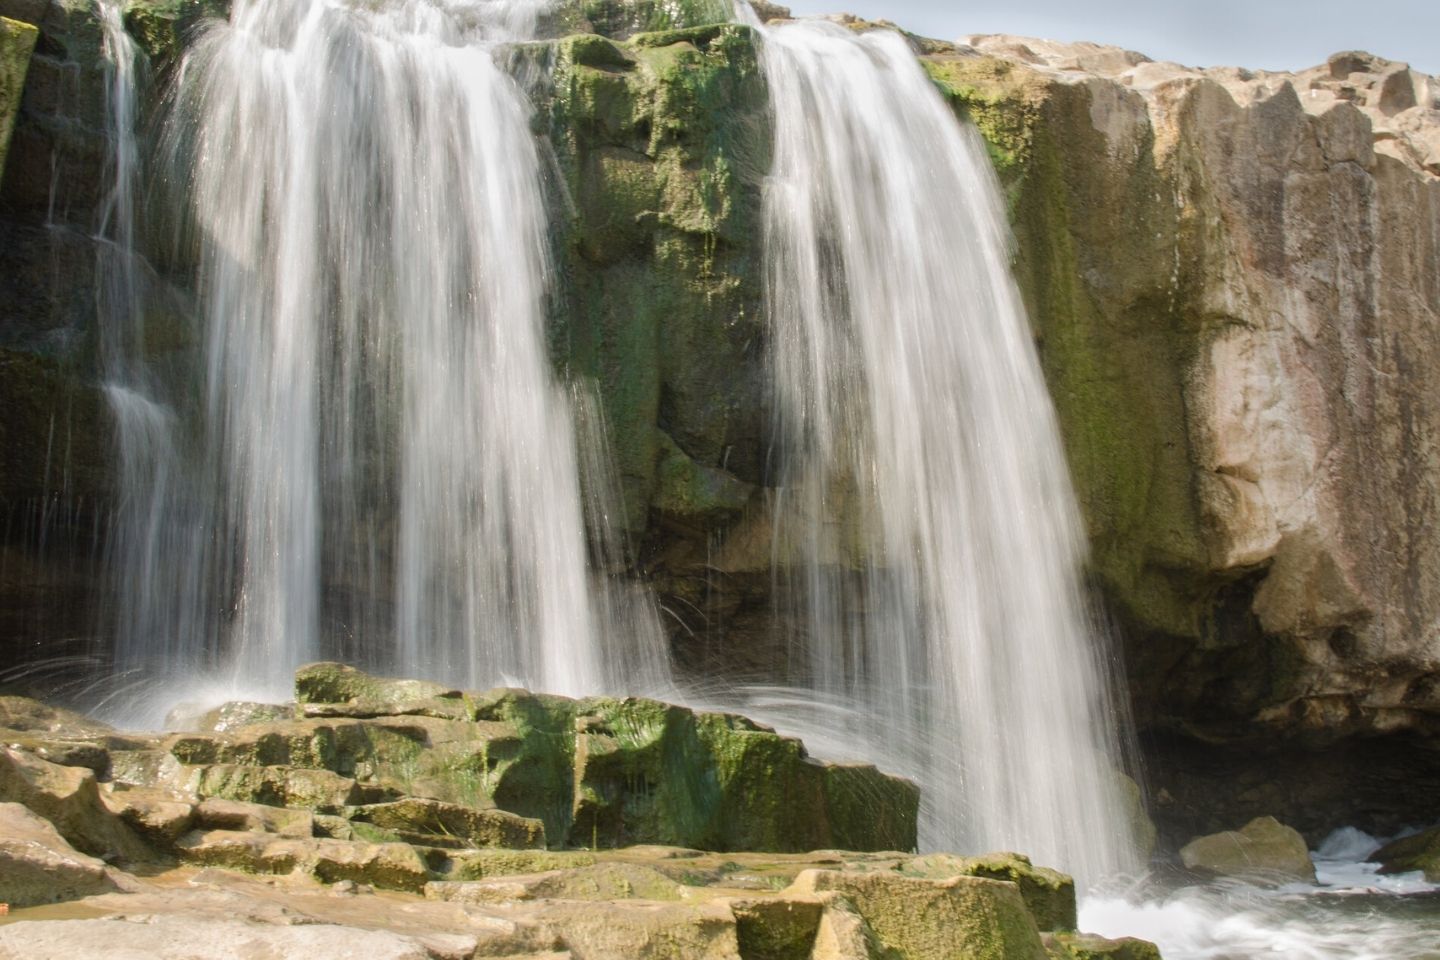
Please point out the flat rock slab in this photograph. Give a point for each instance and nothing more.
(176, 938)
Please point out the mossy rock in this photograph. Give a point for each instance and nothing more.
(970, 917)
(17, 40)
(1049, 894)
(624, 18)
(663, 144)
(1418, 852)
(339, 683)
(1084, 946)
(162, 28)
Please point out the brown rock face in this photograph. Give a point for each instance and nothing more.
(1235, 281)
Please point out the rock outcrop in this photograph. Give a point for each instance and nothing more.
(1233, 278)
(367, 785)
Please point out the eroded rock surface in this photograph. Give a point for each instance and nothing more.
(317, 830)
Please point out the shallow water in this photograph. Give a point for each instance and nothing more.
(1351, 913)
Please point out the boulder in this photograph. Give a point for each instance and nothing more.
(70, 799)
(974, 917)
(337, 683)
(1264, 849)
(27, 716)
(1083, 946)
(1418, 852)
(37, 865)
(1048, 894)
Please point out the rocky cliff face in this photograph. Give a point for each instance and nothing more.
(1234, 279)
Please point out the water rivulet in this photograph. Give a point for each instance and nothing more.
(379, 463)
(926, 522)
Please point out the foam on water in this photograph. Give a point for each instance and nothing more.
(1351, 913)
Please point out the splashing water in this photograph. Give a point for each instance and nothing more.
(926, 521)
(395, 467)
(1351, 913)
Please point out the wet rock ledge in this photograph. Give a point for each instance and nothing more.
(396, 818)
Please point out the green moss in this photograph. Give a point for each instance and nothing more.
(17, 40)
(161, 28)
(777, 929)
(1114, 356)
(1082, 946)
(623, 18)
(696, 493)
(1002, 100)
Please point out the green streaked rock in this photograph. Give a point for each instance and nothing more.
(17, 40)
(970, 917)
(1084, 946)
(1418, 852)
(1049, 894)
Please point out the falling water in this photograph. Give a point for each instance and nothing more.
(394, 468)
(926, 522)
(155, 526)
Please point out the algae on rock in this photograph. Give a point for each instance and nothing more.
(17, 40)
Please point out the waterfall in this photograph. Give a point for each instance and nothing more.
(390, 467)
(155, 523)
(926, 522)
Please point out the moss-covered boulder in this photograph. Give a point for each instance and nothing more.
(1418, 852)
(920, 919)
(1049, 894)
(1083, 946)
(648, 772)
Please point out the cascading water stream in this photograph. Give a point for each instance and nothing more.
(394, 468)
(926, 523)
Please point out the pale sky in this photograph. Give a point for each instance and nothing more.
(1268, 34)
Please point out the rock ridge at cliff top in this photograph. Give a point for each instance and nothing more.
(1403, 105)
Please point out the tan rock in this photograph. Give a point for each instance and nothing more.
(936, 919)
(156, 815)
(390, 866)
(218, 814)
(37, 865)
(1263, 850)
(602, 881)
(69, 798)
(175, 938)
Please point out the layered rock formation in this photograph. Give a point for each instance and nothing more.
(1234, 279)
(422, 794)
